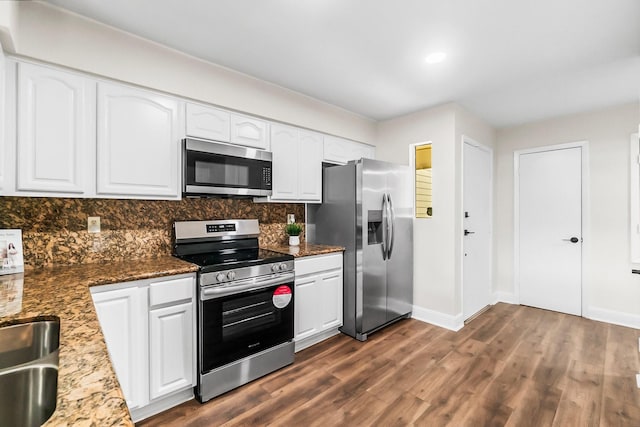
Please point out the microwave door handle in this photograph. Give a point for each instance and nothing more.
(244, 286)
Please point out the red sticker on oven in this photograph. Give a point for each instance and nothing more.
(282, 296)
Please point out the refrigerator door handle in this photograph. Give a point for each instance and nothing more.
(392, 225)
(385, 220)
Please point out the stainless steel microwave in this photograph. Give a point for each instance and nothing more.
(212, 168)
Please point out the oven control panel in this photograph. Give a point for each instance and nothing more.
(217, 228)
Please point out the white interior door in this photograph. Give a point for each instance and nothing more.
(476, 273)
(550, 229)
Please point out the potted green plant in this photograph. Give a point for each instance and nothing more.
(293, 230)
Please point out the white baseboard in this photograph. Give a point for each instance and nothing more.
(508, 297)
(315, 339)
(161, 405)
(615, 317)
(447, 321)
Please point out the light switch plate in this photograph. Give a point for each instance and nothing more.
(93, 224)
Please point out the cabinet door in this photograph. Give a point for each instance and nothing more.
(123, 321)
(306, 319)
(330, 299)
(171, 349)
(55, 130)
(340, 150)
(364, 150)
(310, 167)
(207, 122)
(249, 132)
(336, 150)
(138, 143)
(285, 166)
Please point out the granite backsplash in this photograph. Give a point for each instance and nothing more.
(54, 230)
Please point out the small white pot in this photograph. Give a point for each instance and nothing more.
(294, 240)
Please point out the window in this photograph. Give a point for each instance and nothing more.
(423, 181)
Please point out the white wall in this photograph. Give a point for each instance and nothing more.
(53, 35)
(437, 240)
(7, 22)
(612, 292)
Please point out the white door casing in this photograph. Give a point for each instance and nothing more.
(549, 203)
(477, 244)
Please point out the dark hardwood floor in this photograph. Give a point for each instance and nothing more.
(511, 366)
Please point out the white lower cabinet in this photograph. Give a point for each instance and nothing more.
(170, 347)
(123, 324)
(318, 298)
(149, 327)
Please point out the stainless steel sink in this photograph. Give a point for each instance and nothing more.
(28, 341)
(29, 395)
(29, 371)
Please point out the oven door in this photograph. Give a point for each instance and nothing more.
(214, 168)
(238, 323)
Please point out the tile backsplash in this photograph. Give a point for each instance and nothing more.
(54, 230)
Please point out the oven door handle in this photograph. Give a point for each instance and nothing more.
(244, 286)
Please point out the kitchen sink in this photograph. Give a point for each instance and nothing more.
(28, 341)
(29, 371)
(33, 390)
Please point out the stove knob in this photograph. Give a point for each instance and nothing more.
(274, 268)
(283, 266)
(231, 275)
(220, 277)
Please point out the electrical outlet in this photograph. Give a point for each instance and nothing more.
(638, 380)
(93, 224)
(291, 218)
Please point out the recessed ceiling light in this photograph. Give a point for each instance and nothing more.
(435, 57)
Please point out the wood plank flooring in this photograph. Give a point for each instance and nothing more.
(511, 366)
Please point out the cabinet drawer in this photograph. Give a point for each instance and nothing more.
(171, 291)
(316, 264)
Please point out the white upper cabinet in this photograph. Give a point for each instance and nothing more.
(137, 143)
(208, 123)
(249, 132)
(297, 164)
(310, 167)
(56, 131)
(285, 148)
(340, 150)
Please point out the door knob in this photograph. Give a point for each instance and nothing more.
(467, 232)
(572, 240)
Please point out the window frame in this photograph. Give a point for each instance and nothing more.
(634, 199)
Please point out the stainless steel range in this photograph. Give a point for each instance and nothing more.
(245, 303)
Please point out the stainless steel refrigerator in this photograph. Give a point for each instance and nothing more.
(368, 208)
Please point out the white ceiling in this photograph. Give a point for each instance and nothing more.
(508, 61)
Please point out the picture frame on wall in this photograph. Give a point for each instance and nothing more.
(11, 259)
